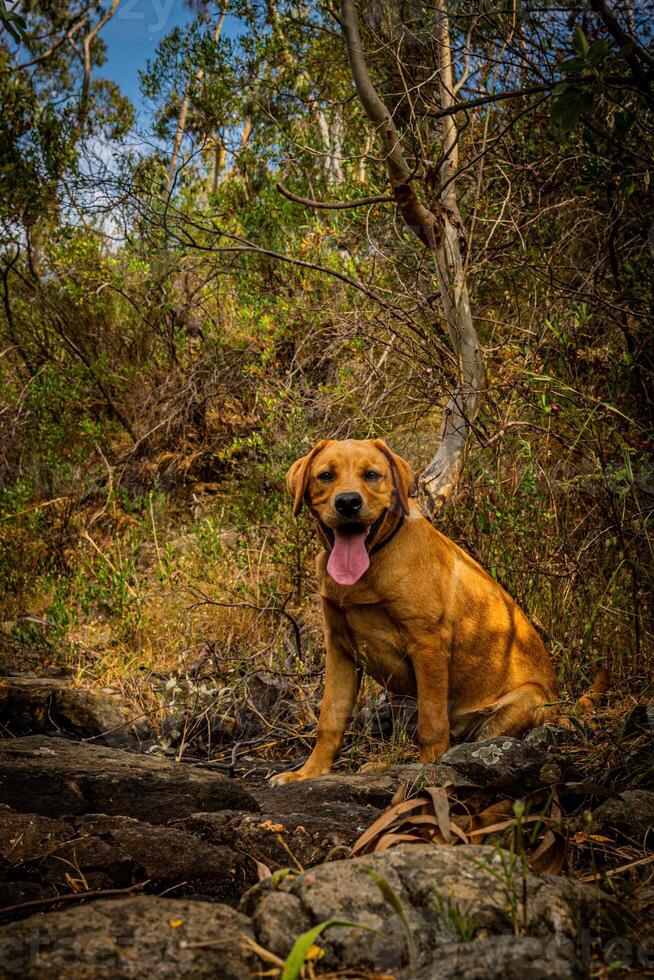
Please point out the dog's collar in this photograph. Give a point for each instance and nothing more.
(377, 547)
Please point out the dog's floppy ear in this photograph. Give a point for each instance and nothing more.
(403, 476)
(297, 477)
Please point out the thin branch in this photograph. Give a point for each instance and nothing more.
(361, 202)
(40, 903)
(75, 24)
(500, 96)
(86, 46)
(490, 146)
(636, 52)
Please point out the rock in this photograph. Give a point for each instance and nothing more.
(26, 837)
(311, 795)
(496, 763)
(289, 839)
(447, 894)
(506, 958)
(369, 789)
(115, 852)
(390, 713)
(546, 738)
(276, 913)
(31, 705)
(129, 851)
(55, 777)
(463, 907)
(136, 937)
(639, 721)
(504, 762)
(633, 815)
(25, 840)
(172, 857)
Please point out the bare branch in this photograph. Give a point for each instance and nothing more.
(499, 97)
(398, 169)
(361, 202)
(87, 43)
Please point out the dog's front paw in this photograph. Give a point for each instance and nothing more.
(432, 753)
(286, 777)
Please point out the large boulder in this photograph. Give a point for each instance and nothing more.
(500, 763)
(506, 958)
(278, 840)
(56, 777)
(32, 705)
(471, 912)
(100, 852)
(373, 790)
(504, 762)
(446, 895)
(136, 937)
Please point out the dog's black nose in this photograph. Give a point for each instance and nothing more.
(348, 504)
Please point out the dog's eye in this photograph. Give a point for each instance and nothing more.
(372, 475)
(326, 476)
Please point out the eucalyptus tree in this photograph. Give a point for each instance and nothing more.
(54, 109)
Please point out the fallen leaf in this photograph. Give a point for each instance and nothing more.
(389, 840)
(263, 871)
(385, 820)
(399, 796)
(549, 856)
(441, 805)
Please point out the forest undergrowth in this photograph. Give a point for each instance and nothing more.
(178, 327)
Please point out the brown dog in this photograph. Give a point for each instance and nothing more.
(404, 603)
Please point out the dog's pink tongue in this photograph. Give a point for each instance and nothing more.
(349, 558)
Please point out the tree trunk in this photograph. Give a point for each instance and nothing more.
(440, 229)
(183, 112)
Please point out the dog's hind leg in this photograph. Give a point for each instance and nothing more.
(516, 713)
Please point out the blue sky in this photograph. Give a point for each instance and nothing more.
(132, 36)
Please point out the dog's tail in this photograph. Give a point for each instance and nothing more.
(589, 700)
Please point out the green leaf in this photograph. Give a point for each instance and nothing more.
(580, 42)
(571, 66)
(14, 22)
(296, 958)
(598, 51)
(278, 876)
(569, 107)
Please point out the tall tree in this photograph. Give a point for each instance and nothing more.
(433, 216)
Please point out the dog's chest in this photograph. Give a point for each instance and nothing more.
(376, 644)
